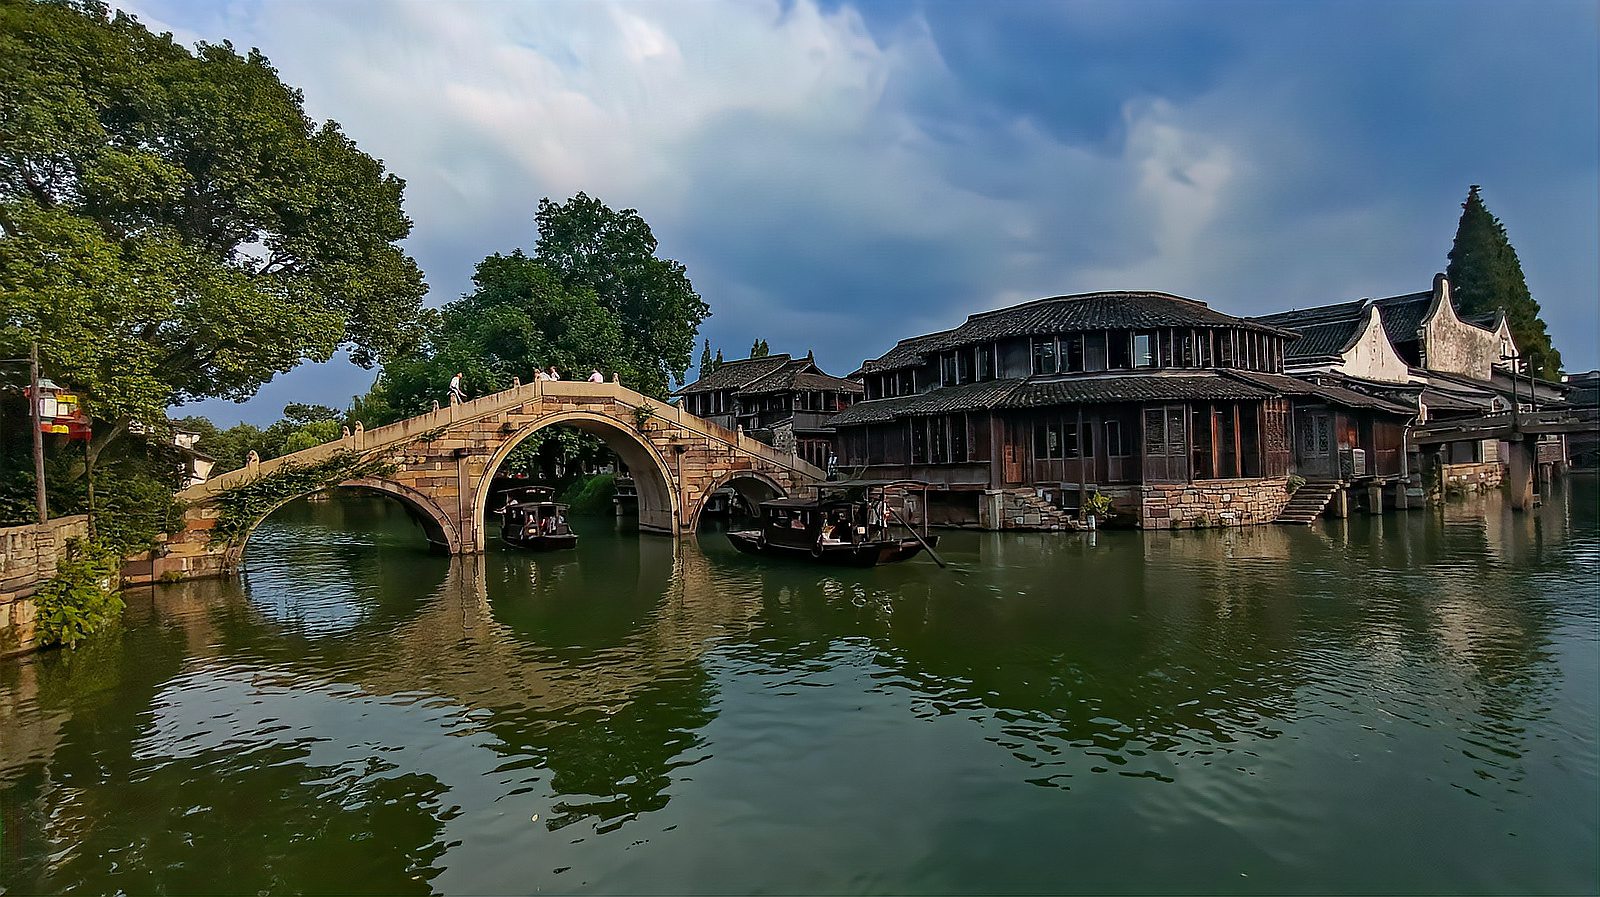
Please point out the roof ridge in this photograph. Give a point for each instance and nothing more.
(1074, 297)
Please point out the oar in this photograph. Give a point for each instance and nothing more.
(931, 553)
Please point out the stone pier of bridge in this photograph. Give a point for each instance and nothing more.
(440, 465)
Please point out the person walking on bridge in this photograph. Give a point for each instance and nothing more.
(455, 389)
(594, 376)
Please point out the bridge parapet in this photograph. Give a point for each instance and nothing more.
(441, 464)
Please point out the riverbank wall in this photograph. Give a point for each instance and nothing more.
(29, 556)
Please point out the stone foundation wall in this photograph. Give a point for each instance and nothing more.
(1478, 477)
(1213, 503)
(28, 557)
(1021, 509)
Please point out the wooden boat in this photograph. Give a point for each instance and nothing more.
(830, 530)
(534, 522)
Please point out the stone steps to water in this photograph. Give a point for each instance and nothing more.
(1307, 503)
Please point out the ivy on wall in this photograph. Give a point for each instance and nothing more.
(82, 598)
(244, 505)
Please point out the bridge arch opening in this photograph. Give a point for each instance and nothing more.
(739, 493)
(441, 534)
(652, 475)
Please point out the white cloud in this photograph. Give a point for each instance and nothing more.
(805, 166)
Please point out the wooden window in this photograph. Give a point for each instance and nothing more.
(1114, 446)
(1094, 351)
(1155, 431)
(1175, 440)
(1044, 355)
(1069, 439)
(919, 440)
(1166, 348)
(938, 440)
(978, 448)
(958, 438)
(1144, 350)
(948, 369)
(1225, 350)
(1047, 444)
(1119, 357)
(1186, 349)
(1072, 353)
(985, 354)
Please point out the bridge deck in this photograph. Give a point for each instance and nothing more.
(1504, 425)
(557, 391)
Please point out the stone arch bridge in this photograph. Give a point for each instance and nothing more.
(440, 466)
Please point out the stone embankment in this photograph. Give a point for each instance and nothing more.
(28, 557)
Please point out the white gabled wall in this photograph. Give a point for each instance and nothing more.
(1371, 356)
(1452, 346)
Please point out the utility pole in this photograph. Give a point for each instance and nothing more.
(38, 433)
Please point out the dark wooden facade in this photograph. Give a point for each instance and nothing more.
(1108, 389)
(783, 401)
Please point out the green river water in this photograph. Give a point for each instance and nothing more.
(1395, 704)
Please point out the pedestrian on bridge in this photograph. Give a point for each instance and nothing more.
(553, 374)
(595, 377)
(455, 389)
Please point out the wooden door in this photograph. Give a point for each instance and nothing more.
(1013, 462)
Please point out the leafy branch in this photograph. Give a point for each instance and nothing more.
(245, 505)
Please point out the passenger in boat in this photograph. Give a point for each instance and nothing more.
(878, 518)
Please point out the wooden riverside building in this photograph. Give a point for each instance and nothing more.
(782, 401)
(1178, 413)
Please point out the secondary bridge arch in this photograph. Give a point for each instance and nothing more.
(436, 525)
(442, 463)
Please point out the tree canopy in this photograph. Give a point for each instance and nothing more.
(587, 245)
(174, 226)
(520, 319)
(1486, 275)
(759, 349)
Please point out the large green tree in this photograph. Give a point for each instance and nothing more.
(1486, 275)
(174, 227)
(590, 246)
(519, 320)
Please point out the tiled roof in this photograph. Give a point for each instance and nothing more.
(1231, 385)
(1323, 340)
(948, 400)
(1403, 315)
(1301, 318)
(1329, 329)
(1283, 384)
(906, 353)
(795, 376)
(736, 373)
(1064, 314)
(1134, 388)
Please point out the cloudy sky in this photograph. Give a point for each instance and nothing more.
(836, 176)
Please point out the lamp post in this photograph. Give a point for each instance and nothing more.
(38, 433)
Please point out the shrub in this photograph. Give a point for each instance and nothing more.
(1293, 483)
(592, 494)
(1098, 505)
(82, 598)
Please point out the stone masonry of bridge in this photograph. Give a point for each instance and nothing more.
(440, 465)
